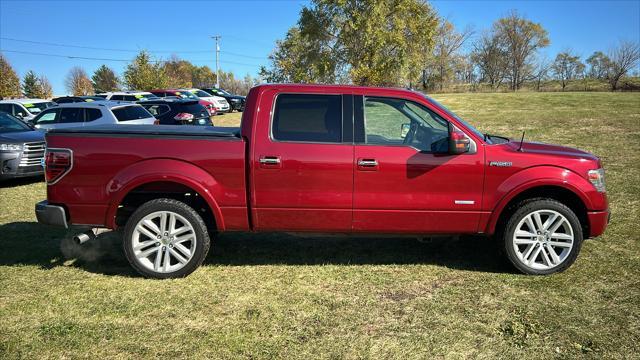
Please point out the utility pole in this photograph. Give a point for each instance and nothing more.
(217, 38)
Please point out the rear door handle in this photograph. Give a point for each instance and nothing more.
(367, 164)
(269, 162)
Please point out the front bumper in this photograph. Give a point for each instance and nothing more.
(51, 214)
(598, 221)
(10, 167)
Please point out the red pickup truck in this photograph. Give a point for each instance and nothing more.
(323, 159)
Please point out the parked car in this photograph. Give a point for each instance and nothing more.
(24, 109)
(211, 108)
(73, 99)
(170, 111)
(236, 101)
(92, 113)
(220, 103)
(305, 159)
(21, 148)
(131, 96)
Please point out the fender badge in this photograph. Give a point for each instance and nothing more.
(500, 163)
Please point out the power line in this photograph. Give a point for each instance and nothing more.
(111, 59)
(129, 50)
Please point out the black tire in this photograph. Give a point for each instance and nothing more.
(521, 211)
(202, 241)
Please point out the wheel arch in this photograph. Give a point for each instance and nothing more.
(560, 191)
(157, 178)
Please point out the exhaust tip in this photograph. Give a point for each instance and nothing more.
(84, 237)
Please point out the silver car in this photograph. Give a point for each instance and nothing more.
(92, 113)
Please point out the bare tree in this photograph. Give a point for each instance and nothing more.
(566, 67)
(447, 42)
(623, 58)
(521, 39)
(491, 59)
(77, 82)
(541, 70)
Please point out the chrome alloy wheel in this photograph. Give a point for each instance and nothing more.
(543, 239)
(163, 241)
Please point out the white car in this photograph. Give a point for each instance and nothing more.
(92, 113)
(25, 109)
(221, 103)
(130, 96)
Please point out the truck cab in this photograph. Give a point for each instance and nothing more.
(325, 159)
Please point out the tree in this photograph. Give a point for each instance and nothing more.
(541, 71)
(520, 38)
(30, 85)
(623, 58)
(599, 64)
(77, 82)
(368, 42)
(145, 74)
(447, 42)
(178, 72)
(46, 91)
(9, 80)
(104, 79)
(202, 76)
(566, 67)
(491, 59)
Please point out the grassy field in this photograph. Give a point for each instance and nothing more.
(278, 296)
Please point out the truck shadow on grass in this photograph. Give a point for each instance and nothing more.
(29, 243)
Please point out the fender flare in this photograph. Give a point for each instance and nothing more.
(165, 170)
(553, 176)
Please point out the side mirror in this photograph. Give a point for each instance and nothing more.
(20, 115)
(404, 130)
(459, 142)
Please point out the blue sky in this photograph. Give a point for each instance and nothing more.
(249, 29)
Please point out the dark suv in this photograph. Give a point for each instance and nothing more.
(175, 111)
(236, 102)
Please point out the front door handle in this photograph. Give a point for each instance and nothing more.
(269, 162)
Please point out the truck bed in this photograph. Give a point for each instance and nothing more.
(110, 161)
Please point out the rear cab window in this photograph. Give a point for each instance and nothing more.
(308, 118)
(131, 112)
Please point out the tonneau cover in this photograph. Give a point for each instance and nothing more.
(182, 130)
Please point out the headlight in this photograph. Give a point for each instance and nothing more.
(10, 147)
(235, 100)
(596, 177)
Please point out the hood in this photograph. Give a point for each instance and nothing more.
(237, 97)
(22, 136)
(550, 149)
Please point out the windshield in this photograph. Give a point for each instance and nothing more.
(201, 93)
(220, 92)
(186, 95)
(9, 123)
(466, 124)
(36, 108)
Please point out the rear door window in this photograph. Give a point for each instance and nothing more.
(308, 117)
(71, 115)
(128, 113)
(7, 108)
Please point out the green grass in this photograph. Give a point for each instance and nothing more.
(278, 296)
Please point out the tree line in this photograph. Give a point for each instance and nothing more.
(143, 73)
(405, 43)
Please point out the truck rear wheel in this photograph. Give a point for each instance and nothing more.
(542, 237)
(165, 238)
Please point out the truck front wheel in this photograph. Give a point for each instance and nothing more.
(543, 236)
(165, 238)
